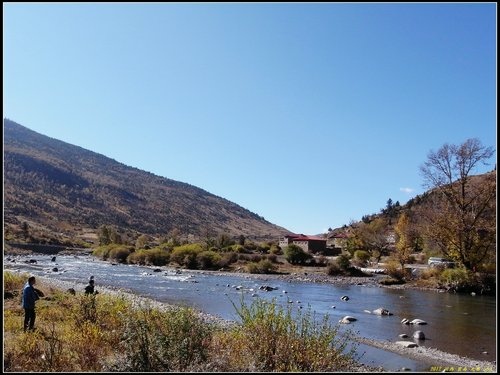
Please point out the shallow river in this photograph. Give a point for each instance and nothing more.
(458, 324)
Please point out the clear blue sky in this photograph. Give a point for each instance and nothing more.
(308, 114)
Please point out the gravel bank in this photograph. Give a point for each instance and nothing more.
(438, 360)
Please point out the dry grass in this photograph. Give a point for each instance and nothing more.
(106, 332)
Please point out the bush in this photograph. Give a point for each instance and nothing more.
(153, 257)
(208, 259)
(457, 279)
(295, 255)
(157, 257)
(263, 248)
(275, 249)
(264, 266)
(255, 258)
(227, 259)
(277, 339)
(186, 255)
(239, 249)
(155, 341)
(343, 262)
(120, 252)
(137, 257)
(101, 252)
(393, 269)
(253, 268)
(333, 269)
(272, 258)
(250, 246)
(361, 257)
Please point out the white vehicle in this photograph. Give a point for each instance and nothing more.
(440, 262)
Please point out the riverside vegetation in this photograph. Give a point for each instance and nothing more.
(108, 332)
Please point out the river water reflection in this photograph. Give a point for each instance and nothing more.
(458, 324)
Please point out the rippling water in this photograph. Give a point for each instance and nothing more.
(458, 324)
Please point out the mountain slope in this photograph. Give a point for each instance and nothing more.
(65, 188)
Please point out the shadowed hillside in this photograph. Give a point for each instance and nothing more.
(53, 186)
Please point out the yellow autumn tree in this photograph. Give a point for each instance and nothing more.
(404, 241)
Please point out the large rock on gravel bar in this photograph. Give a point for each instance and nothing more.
(407, 344)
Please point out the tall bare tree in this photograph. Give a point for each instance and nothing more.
(461, 220)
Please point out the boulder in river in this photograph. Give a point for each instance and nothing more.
(418, 322)
(381, 311)
(347, 319)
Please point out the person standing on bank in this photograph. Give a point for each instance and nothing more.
(30, 296)
(89, 289)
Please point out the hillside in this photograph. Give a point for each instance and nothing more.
(417, 206)
(54, 187)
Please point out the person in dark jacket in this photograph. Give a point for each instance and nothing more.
(30, 296)
(89, 289)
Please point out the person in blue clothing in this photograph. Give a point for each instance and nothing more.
(30, 296)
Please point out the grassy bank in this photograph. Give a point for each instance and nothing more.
(109, 332)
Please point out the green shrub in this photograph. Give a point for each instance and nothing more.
(239, 249)
(266, 266)
(263, 266)
(295, 255)
(137, 257)
(263, 248)
(253, 267)
(157, 257)
(102, 252)
(277, 339)
(208, 260)
(343, 262)
(361, 257)
(120, 252)
(275, 249)
(171, 341)
(186, 255)
(456, 278)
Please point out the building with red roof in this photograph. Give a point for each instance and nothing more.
(310, 244)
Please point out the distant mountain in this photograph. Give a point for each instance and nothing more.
(54, 186)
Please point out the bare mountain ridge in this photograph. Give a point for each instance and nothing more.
(66, 188)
